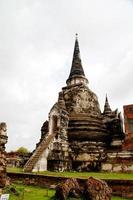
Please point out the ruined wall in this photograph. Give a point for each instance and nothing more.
(128, 122)
(53, 152)
(121, 188)
(121, 159)
(17, 159)
(58, 158)
(3, 141)
(118, 161)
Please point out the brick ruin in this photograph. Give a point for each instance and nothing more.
(17, 159)
(121, 159)
(3, 141)
(78, 136)
(92, 189)
(128, 122)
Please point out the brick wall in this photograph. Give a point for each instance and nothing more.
(128, 123)
(123, 188)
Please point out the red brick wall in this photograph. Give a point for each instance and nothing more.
(128, 123)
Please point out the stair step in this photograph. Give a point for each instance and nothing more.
(34, 158)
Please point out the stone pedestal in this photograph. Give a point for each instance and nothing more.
(3, 141)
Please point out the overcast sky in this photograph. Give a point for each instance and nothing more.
(36, 46)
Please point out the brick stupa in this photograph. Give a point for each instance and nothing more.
(77, 136)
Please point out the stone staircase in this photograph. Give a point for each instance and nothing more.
(38, 152)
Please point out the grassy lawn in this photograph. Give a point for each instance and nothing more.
(29, 193)
(35, 193)
(101, 175)
(14, 169)
(118, 198)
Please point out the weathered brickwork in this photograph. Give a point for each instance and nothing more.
(3, 141)
(78, 135)
(121, 159)
(128, 122)
(93, 189)
(17, 159)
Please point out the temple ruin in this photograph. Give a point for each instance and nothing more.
(78, 135)
(128, 122)
(3, 141)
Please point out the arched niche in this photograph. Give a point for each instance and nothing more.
(54, 124)
(54, 119)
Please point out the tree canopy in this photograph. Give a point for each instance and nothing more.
(22, 150)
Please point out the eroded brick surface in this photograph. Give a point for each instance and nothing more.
(3, 141)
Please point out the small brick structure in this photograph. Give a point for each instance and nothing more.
(69, 187)
(97, 189)
(3, 141)
(92, 189)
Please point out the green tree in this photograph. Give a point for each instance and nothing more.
(22, 150)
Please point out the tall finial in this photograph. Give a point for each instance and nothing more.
(77, 73)
(107, 109)
(106, 99)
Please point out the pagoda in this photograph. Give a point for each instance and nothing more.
(77, 135)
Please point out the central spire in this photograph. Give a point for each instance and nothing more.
(77, 74)
(107, 109)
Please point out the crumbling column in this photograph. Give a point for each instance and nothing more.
(3, 141)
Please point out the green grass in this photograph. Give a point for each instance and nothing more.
(35, 193)
(14, 169)
(118, 198)
(101, 175)
(29, 193)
